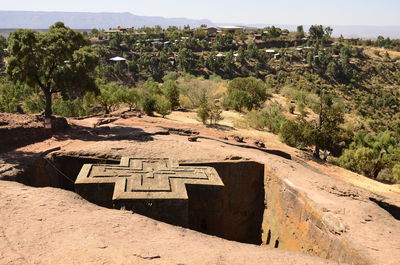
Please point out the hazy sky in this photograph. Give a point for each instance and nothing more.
(327, 12)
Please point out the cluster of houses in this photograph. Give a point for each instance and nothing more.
(158, 43)
(210, 30)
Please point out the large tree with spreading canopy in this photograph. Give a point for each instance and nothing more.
(58, 61)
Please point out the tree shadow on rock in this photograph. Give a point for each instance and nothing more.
(105, 133)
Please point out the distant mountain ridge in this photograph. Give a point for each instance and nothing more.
(89, 20)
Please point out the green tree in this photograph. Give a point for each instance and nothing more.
(229, 64)
(163, 106)
(215, 114)
(332, 69)
(252, 50)
(3, 46)
(249, 93)
(369, 154)
(290, 133)
(316, 31)
(150, 91)
(203, 112)
(11, 95)
(327, 134)
(130, 97)
(224, 42)
(172, 93)
(186, 60)
(300, 32)
(149, 104)
(396, 172)
(58, 61)
(241, 57)
(346, 69)
(109, 97)
(329, 31)
(274, 32)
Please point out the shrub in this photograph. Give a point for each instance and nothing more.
(192, 90)
(370, 154)
(301, 109)
(238, 100)
(34, 104)
(249, 93)
(163, 106)
(203, 112)
(129, 97)
(273, 117)
(215, 114)
(396, 173)
(360, 160)
(255, 120)
(215, 78)
(68, 108)
(290, 133)
(149, 104)
(109, 97)
(170, 76)
(10, 96)
(172, 93)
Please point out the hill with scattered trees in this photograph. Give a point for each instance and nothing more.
(334, 95)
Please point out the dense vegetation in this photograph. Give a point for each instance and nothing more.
(340, 95)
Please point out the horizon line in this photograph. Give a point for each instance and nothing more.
(200, 19)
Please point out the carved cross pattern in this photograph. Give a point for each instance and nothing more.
(137, 178)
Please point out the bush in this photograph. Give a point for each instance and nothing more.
(149, 104)
(215, 114)
(360, 160)
(215, 78)
(68, 108)
(203, 112)
(273, 117)
(301, 109)
(170, 76)
(370, 154)
(129, 97)
(110, 96)
(249, 93)
(396, 173)
(163, 106)
(172, 93)
(238, 100)
(290, 133)
(34, 104)
(192, 90)
(255, 120)
(10, 96)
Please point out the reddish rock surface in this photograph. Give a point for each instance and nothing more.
(327, 208)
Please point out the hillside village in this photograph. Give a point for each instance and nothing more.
(293, 79)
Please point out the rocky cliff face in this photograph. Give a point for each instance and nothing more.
(292, 222)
